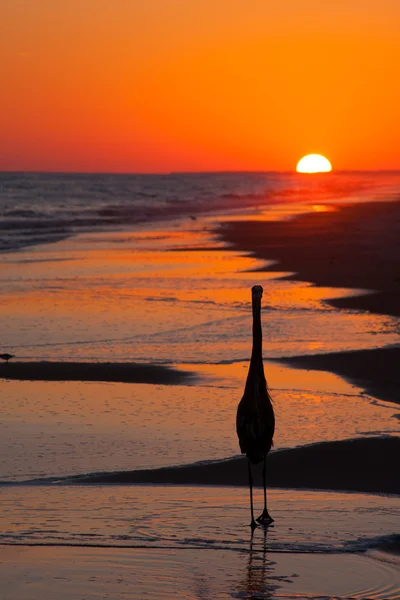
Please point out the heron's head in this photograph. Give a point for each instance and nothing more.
(256, 292)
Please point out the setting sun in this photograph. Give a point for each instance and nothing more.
(314, 163)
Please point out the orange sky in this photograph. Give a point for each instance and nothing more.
(161, 85)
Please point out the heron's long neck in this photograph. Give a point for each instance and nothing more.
(256, 363)
(256, 353)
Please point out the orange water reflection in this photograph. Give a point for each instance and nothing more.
(106, 291)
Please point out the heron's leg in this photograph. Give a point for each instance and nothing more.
(265, 518)
(253, 524)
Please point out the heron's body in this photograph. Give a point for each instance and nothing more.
(255, 421)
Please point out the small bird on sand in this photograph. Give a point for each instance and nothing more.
(6, 356)
(255, 421)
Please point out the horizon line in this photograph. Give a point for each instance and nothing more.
(190, 172)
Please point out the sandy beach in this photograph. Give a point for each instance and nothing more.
(349, 247)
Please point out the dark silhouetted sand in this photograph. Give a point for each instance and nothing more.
(90, 371)
(363, 464)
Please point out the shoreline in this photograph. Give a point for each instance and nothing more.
(353, 246)
(356, 465)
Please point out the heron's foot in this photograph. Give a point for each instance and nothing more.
(253, 525)
(265, 518)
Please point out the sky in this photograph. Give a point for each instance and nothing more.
(188, 85)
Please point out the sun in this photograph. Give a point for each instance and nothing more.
(314, 163)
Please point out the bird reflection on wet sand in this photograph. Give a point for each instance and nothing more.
(259, 580)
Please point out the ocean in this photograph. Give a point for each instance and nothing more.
(39, 208)
(122, 268)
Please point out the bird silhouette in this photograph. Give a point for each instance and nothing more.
(6, 356)
(255, 421)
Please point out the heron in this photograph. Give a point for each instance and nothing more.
(255, 420)
(6, 356)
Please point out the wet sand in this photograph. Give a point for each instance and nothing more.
(195, 542)
(132, 573)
